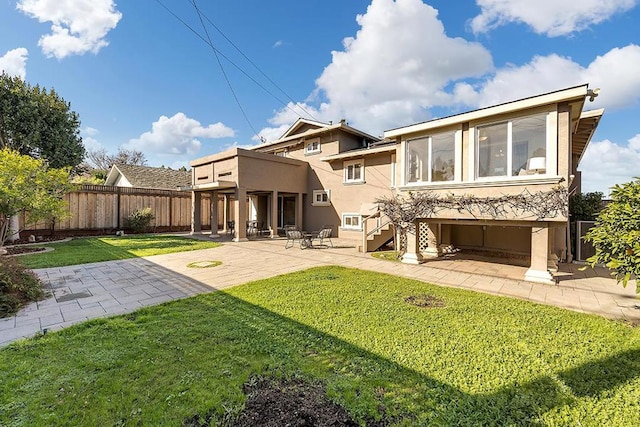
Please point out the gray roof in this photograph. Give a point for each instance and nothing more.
(150, 177)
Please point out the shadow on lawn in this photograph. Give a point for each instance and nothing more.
(354, 370)
(367, 384)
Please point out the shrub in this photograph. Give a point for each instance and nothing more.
(616, 235)
(140, 220)
(18, 286)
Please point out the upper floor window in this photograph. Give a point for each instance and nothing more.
(431, 159)
(354, 171)
(282, 153)
(312, 147)
(513, 148)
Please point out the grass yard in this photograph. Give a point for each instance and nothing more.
(473, 359)
(96, 249)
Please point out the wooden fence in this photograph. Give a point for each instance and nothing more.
(105, 208)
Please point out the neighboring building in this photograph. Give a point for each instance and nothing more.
(121, 175)
(318, 174)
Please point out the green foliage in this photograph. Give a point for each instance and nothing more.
(37, 122)
(480, 360)
(616, 236)
(18, 286)
(585, 206)
(140, 220)
(30, 186)
(98, 249)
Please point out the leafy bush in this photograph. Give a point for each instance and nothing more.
(18, 286)
(140, 220)
(616, 235)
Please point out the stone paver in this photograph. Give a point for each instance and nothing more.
(89, 291)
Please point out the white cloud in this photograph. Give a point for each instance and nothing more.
(77, 26)
(177, 135)
(605, 164)
(277, 44)
(88, 138)
(620, 84)
(14, 62)
(395, 67)
(550, 17)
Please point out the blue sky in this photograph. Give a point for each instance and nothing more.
(141, 79)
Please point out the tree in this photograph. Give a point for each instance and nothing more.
(30, 186)
(103, 160)
(585, 206)
(37, 122)
(616, 235)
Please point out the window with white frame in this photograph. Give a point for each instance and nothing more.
(321, 198)
(431, 159)
(354, 171)
(513, 148)
(312, 146)
(351, 221)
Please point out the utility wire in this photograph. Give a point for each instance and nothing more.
(224, 73)
(256, 66)
(208, 42)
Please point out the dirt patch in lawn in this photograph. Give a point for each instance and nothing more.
(278, 402)
(425, 301)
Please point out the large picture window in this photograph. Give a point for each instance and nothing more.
(431, 159)
(513, 148)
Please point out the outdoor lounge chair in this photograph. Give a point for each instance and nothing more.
(293, 233)
(324, 235)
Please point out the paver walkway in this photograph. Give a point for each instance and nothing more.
(103, 289)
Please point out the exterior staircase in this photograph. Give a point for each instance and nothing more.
(377, 231)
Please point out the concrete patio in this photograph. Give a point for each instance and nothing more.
(104, 289)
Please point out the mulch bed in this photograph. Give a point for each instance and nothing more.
(280, 402)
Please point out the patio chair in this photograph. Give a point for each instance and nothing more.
(293, 233)
(324, 234)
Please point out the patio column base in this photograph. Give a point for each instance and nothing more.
(214, 236)
(195, 233)
(409, 258)
(539, 276)
(432, 252)
(240, 239)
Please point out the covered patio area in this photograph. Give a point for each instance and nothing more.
(255, 193)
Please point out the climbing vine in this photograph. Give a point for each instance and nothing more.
(403, 211)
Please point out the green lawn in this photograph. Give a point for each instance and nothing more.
(96, 249)
(479, 360)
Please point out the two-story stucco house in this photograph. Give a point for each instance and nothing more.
(491, 172)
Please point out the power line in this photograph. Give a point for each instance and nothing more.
(256, 66)
(215, 52)
(219, 53)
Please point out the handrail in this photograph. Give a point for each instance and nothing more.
(378, 228)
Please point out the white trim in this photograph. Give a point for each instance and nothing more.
(315, 202)
(311, 143)
(345, 168)
(569, 94)
(553, 145)
(352, 215)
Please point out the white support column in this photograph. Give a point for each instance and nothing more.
(274, 214)
(196, 212)
(240, 215)
(433, 240)
(225, 213)
(214, 215)
(413, 255)
(539, 271)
